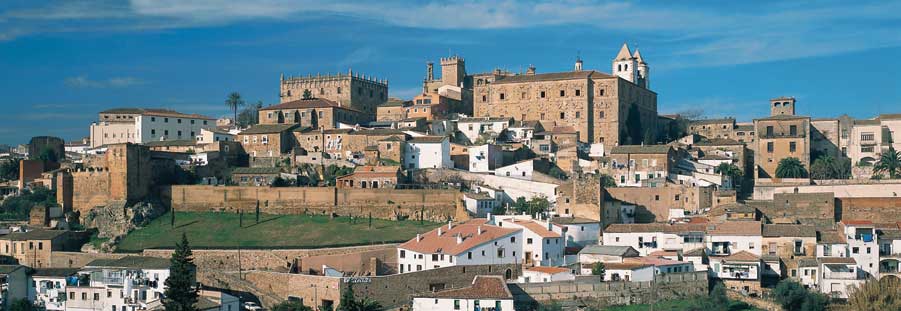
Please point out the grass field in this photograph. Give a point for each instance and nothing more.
(680, 305)
(221, 230)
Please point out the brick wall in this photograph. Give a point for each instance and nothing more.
(433, 205)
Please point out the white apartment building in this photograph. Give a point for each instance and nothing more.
(541, 246)
(428, 152)
(651, 237)
(488, 293)
(213, 135)
(477, 129)
(862, 243)
(127, 284)
(869, 138)
(724, 239)
(838, 275)
(485, 158)
(47, 287)
(471, 243)
(141, 125)
(480, 203)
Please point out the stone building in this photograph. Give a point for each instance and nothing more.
(34, 248)
(598, 105)
(869, 138)
(267, 140)
(791, 243)
(56, 145)
(713, 128)
(631, 165)
(312, 113)
(728, 148)
(781, 136)
(255, 176)
(453, 89)
(353, 90)
(393, 110)
(367, 176)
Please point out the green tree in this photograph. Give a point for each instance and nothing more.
(21, 305)
(291, 305)
(607, 181)
(791, 167)
(250, 115)
(498, 209)
(281, 182)
(180, 294)
(532, 206)
(307, 94)
(790, 294)
(47, 155)
(350, 303)
(9, 170)
(729, 169)
(550, 306)
(889, 163)
(19, 207)
(824, 167)
(234, 102)
(599, 269)
(814, 302)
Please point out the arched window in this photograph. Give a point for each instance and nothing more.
(619, 67)
(626, 66)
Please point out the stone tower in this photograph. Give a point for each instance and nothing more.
(625, 65)
(453, 70)
(643, 71)
(782, 106)
(578, 66)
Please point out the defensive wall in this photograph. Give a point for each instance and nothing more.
(437, 205)
(592, 292)
(282, 259)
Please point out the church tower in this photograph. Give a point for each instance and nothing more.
(643, 71)
(453, 70)
(625, 65)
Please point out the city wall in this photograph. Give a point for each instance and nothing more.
(591, 292)
(428, 204)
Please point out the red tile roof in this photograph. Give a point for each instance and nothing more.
(749, 228)
(857, 222)
(549, 270)
(483, 287)
(624, 265)
(432, 243)
(537, 228)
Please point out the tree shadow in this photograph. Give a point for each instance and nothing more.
(264, 221)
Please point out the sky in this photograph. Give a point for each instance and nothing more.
(63, 61)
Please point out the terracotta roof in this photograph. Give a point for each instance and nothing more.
(171, 143)
(483, 287)
(138, 262)
(554, 76)
(483, 119)
(750, 228)
(306, 104)
(654, 261)
(268, 128)
(427, 139)
(641, 149)
(655, 227)
(830, 237)
(663, 253)
(38, 234)
(536, 228)
(549, 270)
(624, 265)
(156, 112)
(857, 222)
(573, 220)
(840, 260)
(788, 230)
(431, 243)
(742, 256)
(807, 262)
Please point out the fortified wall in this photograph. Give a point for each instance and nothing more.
(428, 204)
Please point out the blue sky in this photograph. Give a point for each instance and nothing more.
(63, 61)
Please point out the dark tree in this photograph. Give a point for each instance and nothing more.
(21, 305)
(889, 163)
(791, 168)
(180, 294)
(234, 102)
(307, 94)
(790, 295)
(291, 306)
(633, 126)
(9, 170)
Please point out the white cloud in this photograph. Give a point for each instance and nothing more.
(696, 35)
(115, 82)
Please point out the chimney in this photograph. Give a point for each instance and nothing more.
(488, 217)
(450, 225)
(459, 238)
(418, 237)
(439, 231)
(479, 230)
(531, 70)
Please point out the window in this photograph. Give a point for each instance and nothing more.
(562, 93)
(469, 255)
(867, 136)
(578, 92)
(84, 296)
(484, 98)
(793, 130)
(792, 147)
(71, 295)
(769, 147)
(165, 120)
(529, 241)
(769, 130)
(403, 254)
(562, 115)
(503, 96)
(542, 116)
(578, 114)
(152, 119)
(339, 90)
(677, 198)
(434, 257)
(543, 94)
(179, 121)
(512, 239)
(456, 304)
(500, 253)
(656, 197)
(855, 250)
(601, 115)
(179, 133)
(96, 296)
(166, 132)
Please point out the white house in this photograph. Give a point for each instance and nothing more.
(487, 293)
(479, 203)
(546, 274)
(650, 237)
(520, 170)
(485, 158)
(522, 132)
(132, 282)
(540, 245)
(625, 271)
(577, 231)
(470, 243)
(47, 287)
(731, 237)
(428, 152)
(739, 271)
(606, 253)
(863, 244)
(476, 128)
(140, 125)
(213, 135)
(832, 244)
(838, 275)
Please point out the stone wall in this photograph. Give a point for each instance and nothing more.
(878, 210)
(78, 259)
(590, 291)
(429, 204)
(268, 259)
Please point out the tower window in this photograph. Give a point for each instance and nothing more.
(562, 115)
(601, 92)
(619, 67)
(792, 147)
(562, 93)
(503, 96)
(578, 92)
(484, 98)
(339, 90)
(543, 95)
(626, 67)
(577, 114)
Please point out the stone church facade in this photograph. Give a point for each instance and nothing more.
(596, 104)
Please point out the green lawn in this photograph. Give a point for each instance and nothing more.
(221, 230)
(682, 305)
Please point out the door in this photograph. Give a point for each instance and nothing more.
(528, 261)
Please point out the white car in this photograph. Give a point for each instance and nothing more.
(252, 306)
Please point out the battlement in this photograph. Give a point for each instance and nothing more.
(328, 77)
(451, 60)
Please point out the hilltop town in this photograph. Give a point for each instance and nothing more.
(496, 191)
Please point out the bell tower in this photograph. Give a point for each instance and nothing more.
(625, 65)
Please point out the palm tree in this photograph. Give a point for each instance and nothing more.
(233, 102)
(823, 167)
(729, 169)
(890, 163)
(790, 168)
